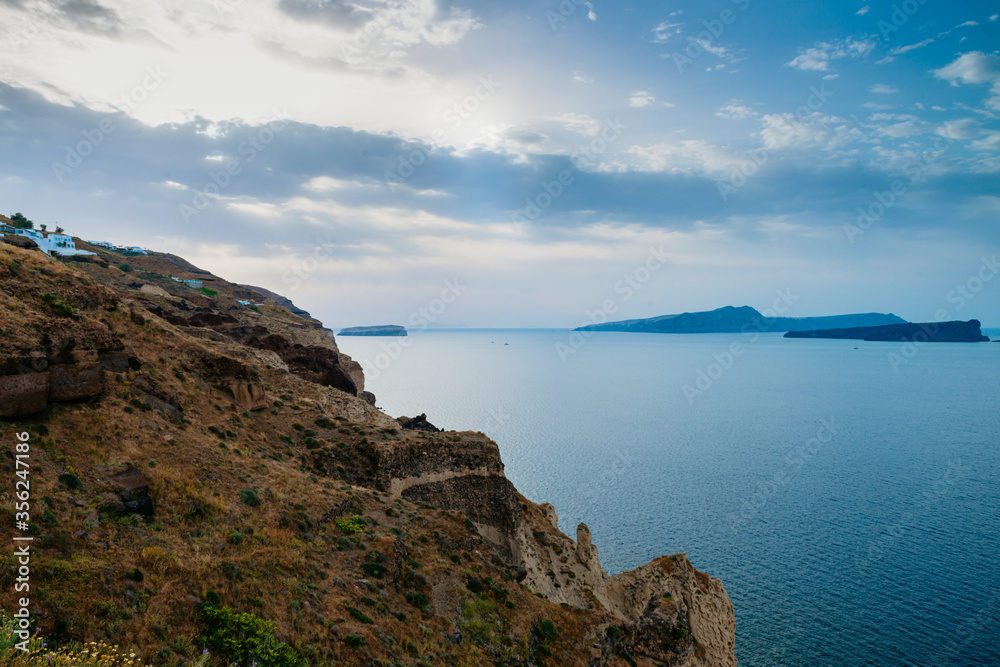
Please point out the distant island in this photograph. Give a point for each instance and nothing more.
(731, 319)
(929, 332)
(383, 330)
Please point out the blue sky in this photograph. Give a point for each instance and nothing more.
(355, 156)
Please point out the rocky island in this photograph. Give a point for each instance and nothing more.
(213, 482)
(743, 319)
(383, 330)
(927, 332)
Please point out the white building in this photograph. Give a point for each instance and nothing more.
(49, 242)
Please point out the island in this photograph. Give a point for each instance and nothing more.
(925, 332)
(743, 319)
(383, 330)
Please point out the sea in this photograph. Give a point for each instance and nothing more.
(846, 493)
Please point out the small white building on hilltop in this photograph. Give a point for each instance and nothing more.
(50, 242)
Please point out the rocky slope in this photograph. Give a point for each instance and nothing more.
(193, 458)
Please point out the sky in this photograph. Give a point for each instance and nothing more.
(525, 163)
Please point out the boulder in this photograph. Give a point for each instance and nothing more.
(72, 382)
(418, 423)
(131, 490)
(23, 394)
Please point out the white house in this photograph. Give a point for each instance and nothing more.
(49, 242)
(196, 284)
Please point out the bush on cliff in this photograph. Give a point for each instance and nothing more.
(244, 639)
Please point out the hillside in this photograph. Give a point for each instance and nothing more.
(743, 319)
(207, 475)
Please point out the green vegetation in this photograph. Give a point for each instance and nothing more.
(125, 266)
(250, 498)
(57, 306)
(243, 638)
(354, 524)
(71, 481)
(21, 222)
(208, 291)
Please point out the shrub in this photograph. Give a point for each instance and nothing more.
(354, 524)
(71, 481)
(417, 599)
(125, 266)
(208, 292)
(373, 565)
(250, 498)
(236, 538)
(323, 422)
(243, 638)
(57, 306)
(353, 641)
(359, 615)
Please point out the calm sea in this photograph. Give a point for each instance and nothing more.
(848, 498)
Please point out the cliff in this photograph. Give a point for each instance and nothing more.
(384, 330)
(743, 319)
(927, 332)
(202, 470)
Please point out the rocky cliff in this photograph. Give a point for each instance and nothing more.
(191, 454)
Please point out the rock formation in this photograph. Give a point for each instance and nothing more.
(927, 332)
(382, 330)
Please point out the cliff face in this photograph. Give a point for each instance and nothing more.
(231, 457)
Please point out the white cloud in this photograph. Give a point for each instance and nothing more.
(591, 14)
(640, 99)
(784, 131)
(899, 50)
(691, 156)
(663, 32)
(579, 78)
(735, 111)
(995, 17)
(864, 10)
(818, 57)
(578, 122)
(884, 89)
(975, 67)
(965, 128)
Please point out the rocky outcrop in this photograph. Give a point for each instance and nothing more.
(129, 494)
(418, 423)
(24, 394)
(926, 332)
(382, 330)
(665, 612)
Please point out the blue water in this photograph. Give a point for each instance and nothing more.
(848, 498)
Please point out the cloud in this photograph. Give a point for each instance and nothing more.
(883, 89)
(975, 68)
(816, 131)
(735, 111)
(819, 57)
(591, 14)
(579, 78)
(864, 10)
(900, 50)
(691, 156)
(640, 99)
(965, 128)
(335, 12)
(91, 16)
(579, 123)
(665, 31)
